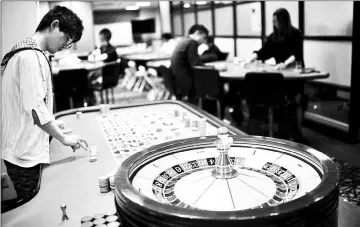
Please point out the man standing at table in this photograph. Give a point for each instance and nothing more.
(184, 57)
(27, 114)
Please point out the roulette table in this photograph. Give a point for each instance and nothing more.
(166, 142)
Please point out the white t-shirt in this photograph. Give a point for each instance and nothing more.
(26, 84)
(168, 47)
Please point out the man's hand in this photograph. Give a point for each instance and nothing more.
(73, 141)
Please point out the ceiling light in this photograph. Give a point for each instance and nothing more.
(141, 4)
(187, 5)
(132, 7)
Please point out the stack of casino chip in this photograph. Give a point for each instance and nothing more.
(202, 126)
(104, 184)
(93, 154)
(112, 183)
(105, 220)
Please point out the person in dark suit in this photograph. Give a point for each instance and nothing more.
(213, 53)
(184, 57)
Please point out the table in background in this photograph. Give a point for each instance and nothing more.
(56, 68)
(142, 59)
(71, 82)
(157, 63)
(230, 70)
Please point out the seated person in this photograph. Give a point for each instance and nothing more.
(106, 53)
(285, 45)
(168, 43)
(184, 57)
(213, 53)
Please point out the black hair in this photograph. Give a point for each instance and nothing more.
(167, 36)
(69, 22)
(106, 33)
(198, 27)
(285, 26)
(210, 39)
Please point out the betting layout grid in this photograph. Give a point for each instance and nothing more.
(134, 129)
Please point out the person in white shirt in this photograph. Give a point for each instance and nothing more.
(168, 43)
(27, 114)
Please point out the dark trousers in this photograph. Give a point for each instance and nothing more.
(25, 180)
(93, 86)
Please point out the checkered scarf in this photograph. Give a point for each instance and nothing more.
(29, 43)
(26, 43)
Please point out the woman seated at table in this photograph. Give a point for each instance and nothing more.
(285, 45)
(106, 53)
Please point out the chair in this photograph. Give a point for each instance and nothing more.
(267, 90)
(168, 79)
(223, 56)
(70, 88)
(110, 75)
(207, 84)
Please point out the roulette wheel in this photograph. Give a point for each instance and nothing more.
(230, 181)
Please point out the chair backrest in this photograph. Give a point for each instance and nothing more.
(223, 56)
(265, 88)
(111, 74)
(167, 75)
(207, 82)
(70, 83)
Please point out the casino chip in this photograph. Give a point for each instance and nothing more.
(113, 224)
(99, 216)
(78, 115)
(112, 183)
(92, 154)
(112, 218)
(101, 219)
(86, 219)
(104, 184)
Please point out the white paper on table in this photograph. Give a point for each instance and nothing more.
(270, 61)
(202, 48)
